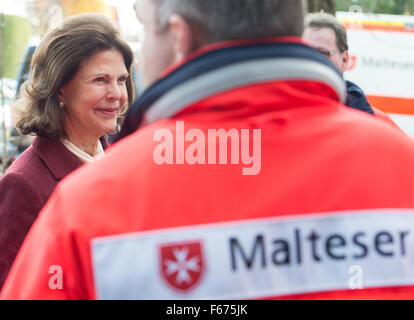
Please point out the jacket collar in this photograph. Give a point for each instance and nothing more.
(224, 67)
(57, 157)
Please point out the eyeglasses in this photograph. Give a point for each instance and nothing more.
(328, 53)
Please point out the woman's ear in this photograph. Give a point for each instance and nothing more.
(60, 98)
(182, 37)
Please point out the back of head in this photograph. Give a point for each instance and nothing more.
(225, 20)
(55, 62)
(325, 20)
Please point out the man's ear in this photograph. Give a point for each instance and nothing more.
(182, 37)
(345, 61)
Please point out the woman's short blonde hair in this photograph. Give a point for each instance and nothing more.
(55, 62)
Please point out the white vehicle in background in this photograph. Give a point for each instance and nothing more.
(382, 62)
(7, 94)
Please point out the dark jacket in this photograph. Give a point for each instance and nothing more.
(356, 98)
(25, 188)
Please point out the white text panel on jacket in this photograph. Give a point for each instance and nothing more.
(259, 258)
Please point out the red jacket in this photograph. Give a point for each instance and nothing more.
(331, 208)
(385, 117)
(25, 188)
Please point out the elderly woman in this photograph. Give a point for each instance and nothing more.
(78, 86)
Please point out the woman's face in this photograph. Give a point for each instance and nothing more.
(93, 98)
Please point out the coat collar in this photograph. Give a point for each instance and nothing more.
(224, 68)
(57, 157)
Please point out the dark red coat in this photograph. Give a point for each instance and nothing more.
(25, 188)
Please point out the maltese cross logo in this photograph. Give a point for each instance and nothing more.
(352, 62)
(182, 265)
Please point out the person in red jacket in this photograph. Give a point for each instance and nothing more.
(240, 175)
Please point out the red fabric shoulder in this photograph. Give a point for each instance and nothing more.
(385, 117)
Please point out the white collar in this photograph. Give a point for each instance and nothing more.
(82, 155)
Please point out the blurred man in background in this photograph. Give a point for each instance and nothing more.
(242, 176)
(327, 35)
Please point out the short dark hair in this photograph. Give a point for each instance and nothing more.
(325, 20)
(55, 62)
(225, 20)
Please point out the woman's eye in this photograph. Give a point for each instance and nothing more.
(100, 79)
(122, 79)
